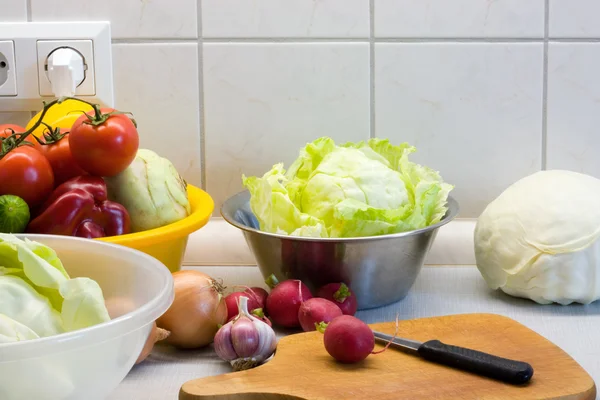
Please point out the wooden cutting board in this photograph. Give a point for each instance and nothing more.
(302, 369)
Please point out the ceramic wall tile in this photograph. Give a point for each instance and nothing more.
(158, 83)
(13, 10)
(472, 110)
(459, 18)
(574, 19)
(17, 118)
(129, 19)
(263, 102)
(290, 18)
(573, 141)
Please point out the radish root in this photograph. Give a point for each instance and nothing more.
(249, 290)
(390, 342)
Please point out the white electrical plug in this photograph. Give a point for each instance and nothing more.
(66, 71)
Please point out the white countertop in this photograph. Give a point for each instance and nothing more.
(438, 291)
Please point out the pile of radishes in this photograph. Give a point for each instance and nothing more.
(240, 324)
(291, 304)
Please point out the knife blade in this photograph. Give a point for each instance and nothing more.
(503, 369)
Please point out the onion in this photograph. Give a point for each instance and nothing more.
(156, 335)
(197, 312)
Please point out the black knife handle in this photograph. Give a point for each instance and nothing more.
(511, 371)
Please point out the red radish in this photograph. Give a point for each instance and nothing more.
(284, 302)
(316, 311)
(260, 314)
(260, 295)
(341, 295)
(348, 339)
(232, 303)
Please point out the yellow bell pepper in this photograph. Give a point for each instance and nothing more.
(61, 116)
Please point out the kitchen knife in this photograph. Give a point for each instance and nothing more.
(510, 371)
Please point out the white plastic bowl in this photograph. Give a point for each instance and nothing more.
(90, 363)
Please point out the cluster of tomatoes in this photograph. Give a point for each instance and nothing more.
(100, 142)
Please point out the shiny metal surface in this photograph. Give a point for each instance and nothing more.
(379, 269)
(411, 346)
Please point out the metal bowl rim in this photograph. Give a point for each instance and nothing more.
(451, 213)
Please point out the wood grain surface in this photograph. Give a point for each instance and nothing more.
(302, 369)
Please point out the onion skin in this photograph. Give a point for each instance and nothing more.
(156, 335)
(197, 311)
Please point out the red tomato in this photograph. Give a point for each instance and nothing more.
(62, 162)
(105, 149)
(26, 173)
(5, 131)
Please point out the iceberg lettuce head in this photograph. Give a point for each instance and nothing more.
(353, 190)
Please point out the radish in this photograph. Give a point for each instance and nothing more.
(260, 295)
(232, 303)
(284, 301)
(341, 295)
(260, 314)
(317, 311)
(348, 339)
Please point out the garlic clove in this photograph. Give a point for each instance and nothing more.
(245, 337)
(223, 345)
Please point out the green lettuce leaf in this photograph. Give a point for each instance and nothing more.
(14, 331)
(37, 292)
(356, 189)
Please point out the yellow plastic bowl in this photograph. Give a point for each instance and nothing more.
(168, 243)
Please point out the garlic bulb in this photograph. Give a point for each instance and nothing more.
(245, 341)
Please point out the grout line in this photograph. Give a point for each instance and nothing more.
(352, 40)
(369, 39)
(283, 40)
(574, 40)
(155, 41)
(372, 132)
(458, 39)
(545, 87)
(201, 116)
(28, 10)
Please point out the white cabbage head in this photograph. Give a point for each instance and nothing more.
(539, 238)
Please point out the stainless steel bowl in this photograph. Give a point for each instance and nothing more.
(380, 270)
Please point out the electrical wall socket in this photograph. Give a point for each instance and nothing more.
(8, 79)
(33, 42)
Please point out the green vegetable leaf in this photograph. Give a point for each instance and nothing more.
(14, 331)
(22, 303)
(342, 293)
(36, 291)
(83, 304)
(356, 189)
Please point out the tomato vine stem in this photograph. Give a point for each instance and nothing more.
(18, 139)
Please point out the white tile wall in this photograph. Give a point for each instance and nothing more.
(463, 80)
(18, 118)
(574, 107)
(129, 18)
(472, 110)
(289, 18)
(158, 83)
(574, 18)
(13, 10)
(263, 102)
(459, 18)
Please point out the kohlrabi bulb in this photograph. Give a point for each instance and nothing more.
(151, 190)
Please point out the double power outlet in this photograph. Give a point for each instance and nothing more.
(25, 49)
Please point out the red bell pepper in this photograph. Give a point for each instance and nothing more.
(80, 207)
